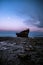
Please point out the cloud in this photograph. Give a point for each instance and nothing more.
(17, 24)
(32, 22)
(40, 25)
(34, 13)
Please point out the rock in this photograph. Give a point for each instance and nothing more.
(23, 56)
(23, 33)
(25, 52)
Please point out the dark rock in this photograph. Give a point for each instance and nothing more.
(25, 52)
(23, 33)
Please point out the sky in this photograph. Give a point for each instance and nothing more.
(18, 15)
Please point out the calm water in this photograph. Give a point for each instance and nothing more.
(8, 33)
(13, 34)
